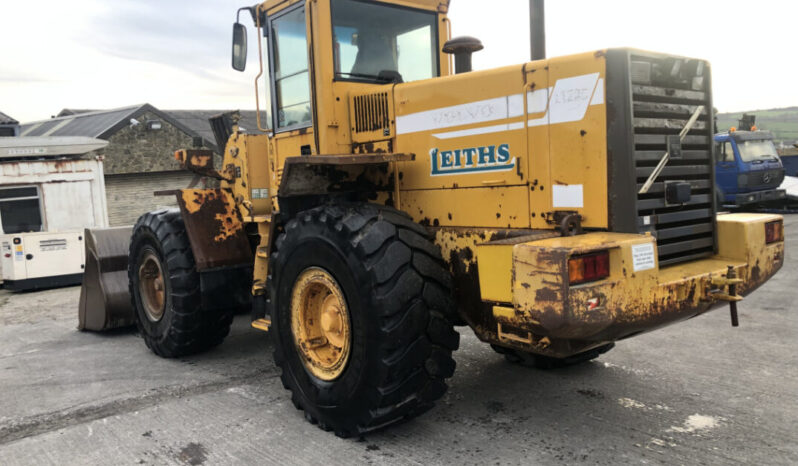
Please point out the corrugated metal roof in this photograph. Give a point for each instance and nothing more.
(7, 120)
(92, 124)
(103, 123)
(198, 121)
(73, 111)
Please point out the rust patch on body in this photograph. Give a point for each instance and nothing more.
(230, 223)
(547, 294)
(215, 227)
(199, 162)
(193, 199)
(229, 219)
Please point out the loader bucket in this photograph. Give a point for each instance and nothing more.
(104, 297)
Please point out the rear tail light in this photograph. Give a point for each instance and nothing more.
(588, 267)
(774, 231)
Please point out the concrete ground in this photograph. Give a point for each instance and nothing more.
(700, 392)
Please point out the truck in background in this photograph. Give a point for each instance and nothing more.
(50, 191)
(747, 169)
(789, 159)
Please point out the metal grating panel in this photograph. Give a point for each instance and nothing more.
(662, 102)
(371, 113)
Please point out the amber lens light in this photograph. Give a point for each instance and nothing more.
(774, 231)
(588, 267)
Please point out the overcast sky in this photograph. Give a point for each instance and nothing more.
(176, 54)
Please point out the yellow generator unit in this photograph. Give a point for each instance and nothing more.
(554, 207)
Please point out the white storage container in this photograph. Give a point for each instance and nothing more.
(48, 196)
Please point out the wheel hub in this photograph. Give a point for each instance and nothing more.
(151, 287)
(320, 324)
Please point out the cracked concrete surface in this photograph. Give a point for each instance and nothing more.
(695, 392)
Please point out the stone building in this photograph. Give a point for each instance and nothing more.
(8, 125)
(139, 157)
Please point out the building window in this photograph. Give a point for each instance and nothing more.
(291, 77)
(20, 210)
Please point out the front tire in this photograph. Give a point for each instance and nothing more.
(166, 292)
(375, 277)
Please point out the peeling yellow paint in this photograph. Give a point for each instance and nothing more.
(200, 160)
(461, 243)
(229, 222)
(194, 199)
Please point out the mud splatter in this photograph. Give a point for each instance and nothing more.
(193, 453)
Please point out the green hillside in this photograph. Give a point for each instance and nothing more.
(783, 122)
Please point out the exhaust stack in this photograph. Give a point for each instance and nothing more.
(537, 29)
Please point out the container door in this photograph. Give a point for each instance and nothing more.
(67, 206)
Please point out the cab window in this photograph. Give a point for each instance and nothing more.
(383, 43)
(728, 152)
(290, 64)
(757, 150)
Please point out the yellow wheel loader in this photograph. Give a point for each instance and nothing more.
(554, 207)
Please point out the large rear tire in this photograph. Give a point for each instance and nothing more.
(166, 292)
(360, 302)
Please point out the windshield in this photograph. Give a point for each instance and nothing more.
(756, 150)
(383, 43)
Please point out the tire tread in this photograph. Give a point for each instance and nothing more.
(412, 296)
(192, 329)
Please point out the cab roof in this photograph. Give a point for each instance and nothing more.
(745, 136)
(435, 5)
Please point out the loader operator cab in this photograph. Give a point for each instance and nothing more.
(372, 43)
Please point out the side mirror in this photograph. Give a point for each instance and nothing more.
(239, 47)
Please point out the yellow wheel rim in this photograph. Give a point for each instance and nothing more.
(151, 287)
(320, 324)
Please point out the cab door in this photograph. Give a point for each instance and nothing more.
(292, 103)
(726, 169)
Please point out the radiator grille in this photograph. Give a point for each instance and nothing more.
(762, 178)
(662, 103)
(371, 113)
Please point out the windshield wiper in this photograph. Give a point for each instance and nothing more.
(764, 158)
(375, 77)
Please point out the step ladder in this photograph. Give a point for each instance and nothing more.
(261, 268)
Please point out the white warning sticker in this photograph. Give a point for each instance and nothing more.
(643, 257)
(570, 196)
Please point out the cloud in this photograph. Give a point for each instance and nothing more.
(98, 53)
(195, 38)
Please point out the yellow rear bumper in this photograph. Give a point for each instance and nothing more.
(535, 309)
